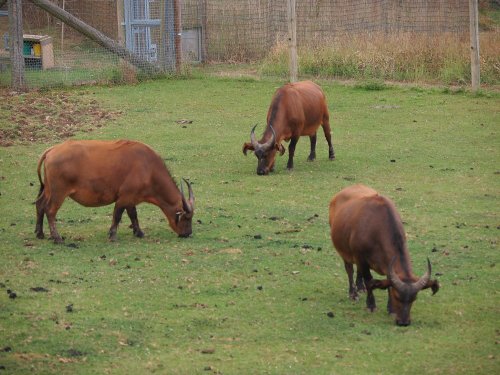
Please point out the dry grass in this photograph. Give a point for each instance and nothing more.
(442, 58)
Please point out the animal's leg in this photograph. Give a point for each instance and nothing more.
(132, 214)
(360, 285)
(367, 276)
(117, 216)
(51, 210)
(328, 135)
(312, 154)
(291, 152)
(349, 268)
(40, 212)
(389, 305)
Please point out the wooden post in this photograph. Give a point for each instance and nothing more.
(120, 17)
(62, 27)
(204, 31)
(474, 45)
(16, 44)
(178, 35)
(292, 38)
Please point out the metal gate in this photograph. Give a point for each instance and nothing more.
(145, 34)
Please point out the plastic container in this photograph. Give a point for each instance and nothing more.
(27, 48)
(37, 49)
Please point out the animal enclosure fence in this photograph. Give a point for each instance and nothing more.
(332, 36)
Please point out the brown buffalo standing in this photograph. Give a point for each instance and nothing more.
(367, 231)
(98, 173)
(296, 109)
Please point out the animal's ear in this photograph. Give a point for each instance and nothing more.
(178, 216)
(433, 284)
(247, 146)
(380, 284)
(280, 148)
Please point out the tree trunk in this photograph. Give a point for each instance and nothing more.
(16, 45)
(96, 36)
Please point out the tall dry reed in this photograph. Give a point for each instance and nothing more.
(413, 57)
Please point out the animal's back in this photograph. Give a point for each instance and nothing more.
(300, 105)
(366, 225)
(91, 159)
(93, 172)
(351, 221)
(349, 193)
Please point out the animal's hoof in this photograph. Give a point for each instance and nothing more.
(139, 234)
(331, 157)
(40, 236)
(311, 158)
(58, 241)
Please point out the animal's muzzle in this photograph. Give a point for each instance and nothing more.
(403, 323)
(262, 171)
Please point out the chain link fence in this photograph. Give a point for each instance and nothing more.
(337, 38)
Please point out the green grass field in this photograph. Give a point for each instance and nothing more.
(259, 288)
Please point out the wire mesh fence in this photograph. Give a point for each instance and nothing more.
(334, 37)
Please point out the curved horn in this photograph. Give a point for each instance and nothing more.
(394, 278)
(269, 144)
(254, 142)
(188, 205)
(418, 285)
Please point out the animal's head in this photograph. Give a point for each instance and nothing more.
(265, 152)
(402, 294)
(182, 221)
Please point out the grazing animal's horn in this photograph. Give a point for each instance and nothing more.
(254, 142)
(270, 144)
(188, 205)
(191, 194)
(394, 278)
(418, 285)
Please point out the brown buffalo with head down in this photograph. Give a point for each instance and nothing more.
(367, 231)
(98, 173)
(296, 109)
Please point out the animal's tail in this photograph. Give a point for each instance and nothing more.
(39, 171)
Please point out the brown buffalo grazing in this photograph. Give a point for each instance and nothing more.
(367, 231)
(296, 109)
(98, 173)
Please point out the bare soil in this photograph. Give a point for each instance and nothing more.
(39, 117)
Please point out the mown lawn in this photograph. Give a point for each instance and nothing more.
(258, 288)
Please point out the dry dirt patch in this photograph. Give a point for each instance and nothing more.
(48, 116)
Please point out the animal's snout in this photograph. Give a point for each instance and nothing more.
(185, 235)
(402, 323)
(262, 171)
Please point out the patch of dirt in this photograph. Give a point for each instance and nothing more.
(40, 117)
